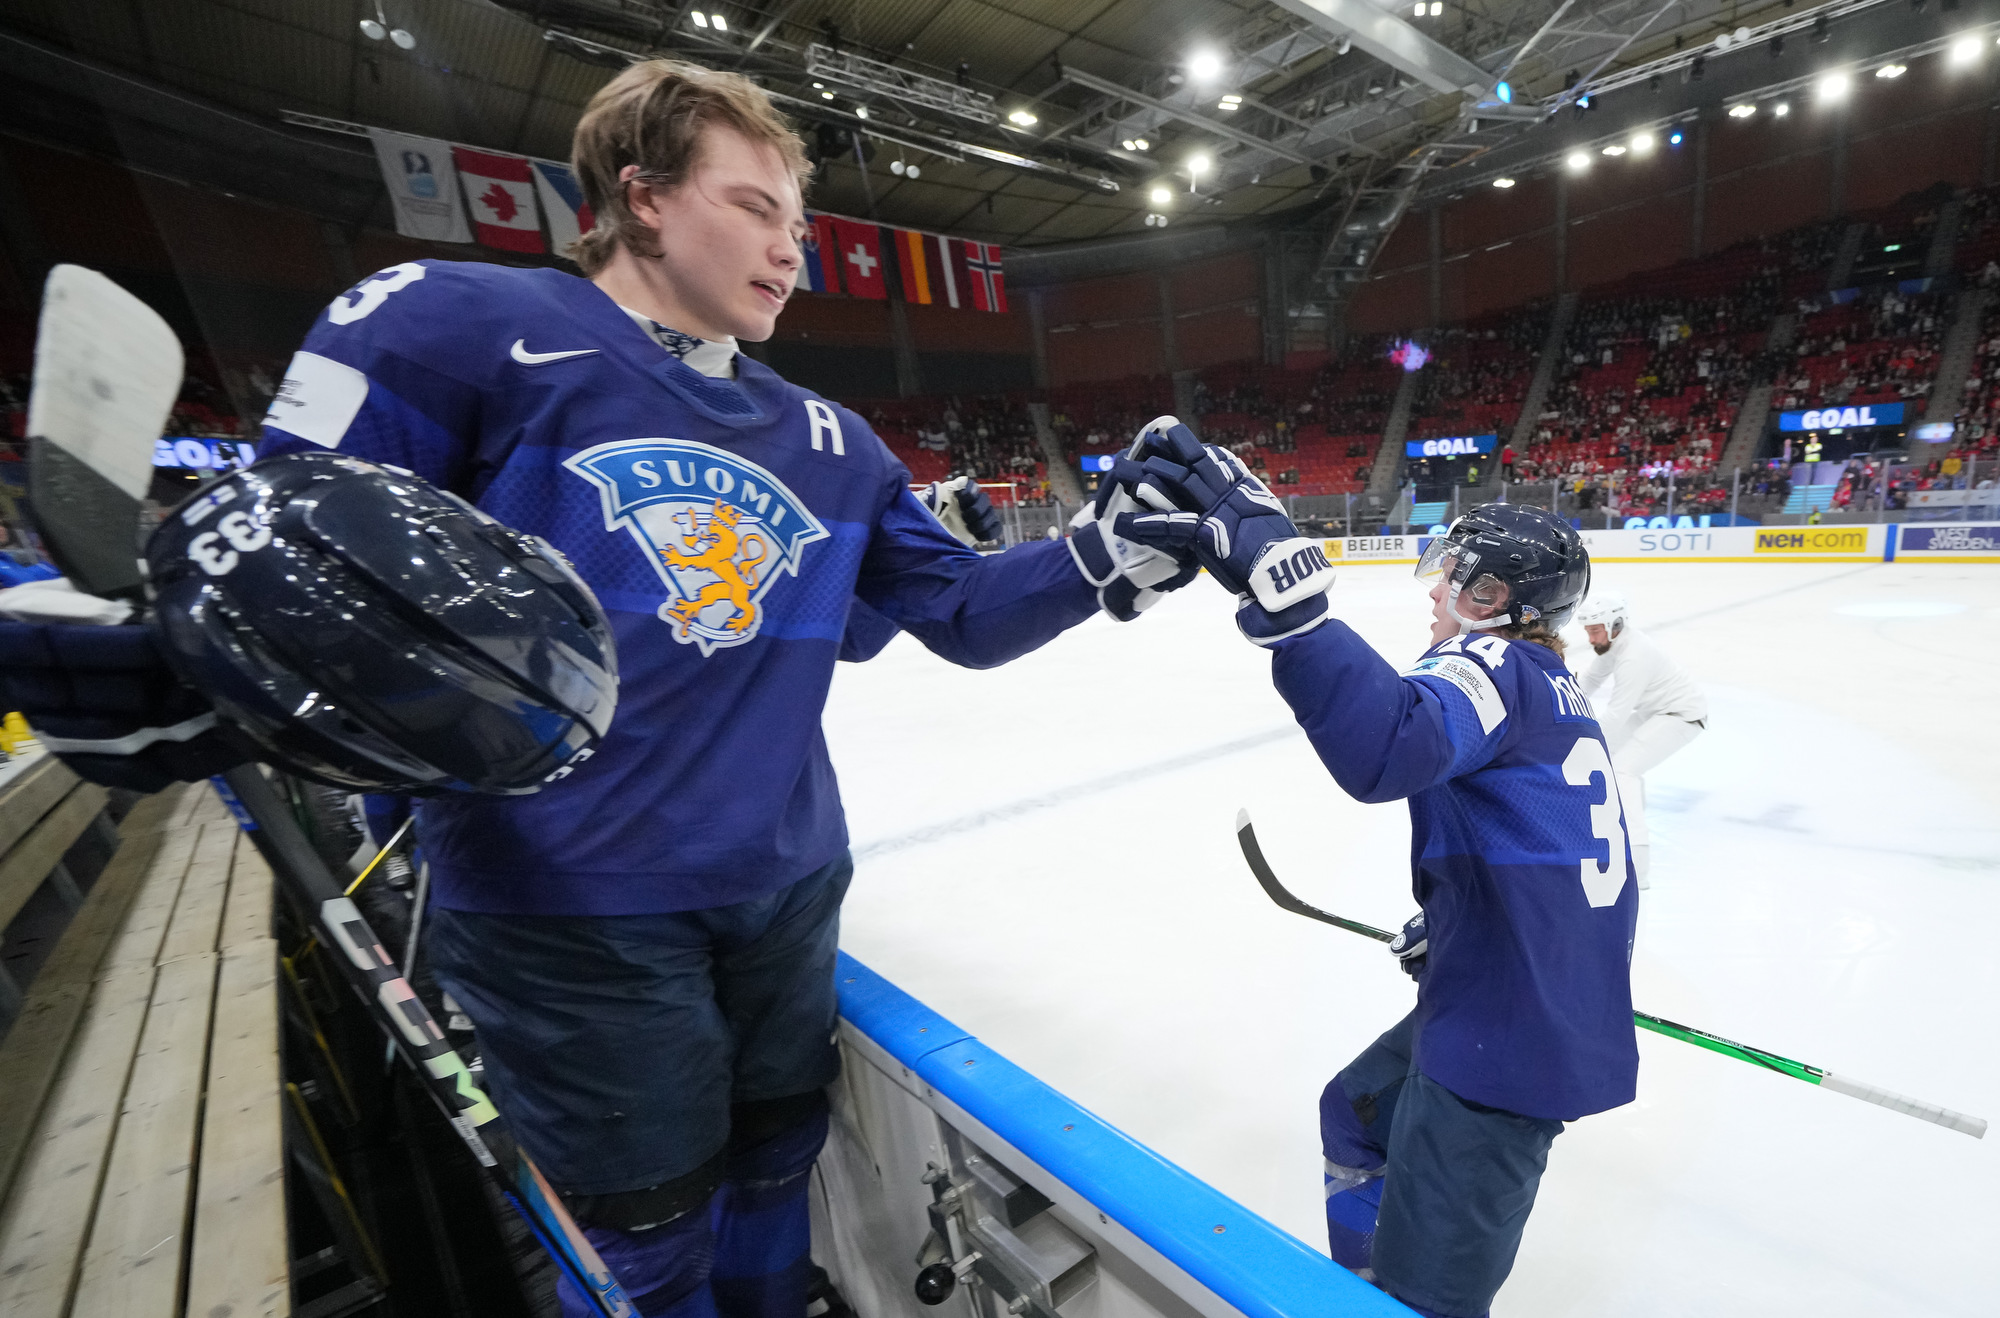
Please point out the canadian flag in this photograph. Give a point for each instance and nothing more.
(859, 249)
(500, 193)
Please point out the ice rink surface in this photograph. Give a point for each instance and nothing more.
(1045, 854)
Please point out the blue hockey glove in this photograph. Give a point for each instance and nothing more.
(103, 700)
(1237, 529)
(1412, 946)
(1130, 577)
(964, 509)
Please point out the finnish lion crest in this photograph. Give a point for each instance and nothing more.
(719, 530)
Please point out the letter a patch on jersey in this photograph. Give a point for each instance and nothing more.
(718, 530)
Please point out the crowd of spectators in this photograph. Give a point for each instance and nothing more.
(1479, 374)
(988, 436)
(1875, 349)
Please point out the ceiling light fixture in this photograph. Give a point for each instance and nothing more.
(700, 19)
(1742, 110)
(378, 27)
(1967, 49)
(1781, 109)
(1614, 150)
(1579, 161)
(1643, 142)
(1022, 118)
(1503, 182)
(1835, 86)
(720, 23)
(1160, 196)
(1892, 70)
(1198, 164)
(1229, 102)
(1204, 66)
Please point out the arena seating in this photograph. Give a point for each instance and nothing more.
(1875, 349)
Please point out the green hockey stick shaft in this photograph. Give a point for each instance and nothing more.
(1267, 878)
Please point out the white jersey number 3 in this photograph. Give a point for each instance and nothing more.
(1587, 760)
(372, 292)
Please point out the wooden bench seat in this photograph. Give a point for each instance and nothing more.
(141, 1146)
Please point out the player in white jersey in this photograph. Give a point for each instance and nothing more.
(1655, 707)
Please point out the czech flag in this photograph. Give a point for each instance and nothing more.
(562, 201)
(500, 193)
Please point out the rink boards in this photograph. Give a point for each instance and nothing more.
(945, 1155)
(1930, 542)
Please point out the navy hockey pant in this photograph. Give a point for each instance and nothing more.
(667, 1072)
(1427, 1193)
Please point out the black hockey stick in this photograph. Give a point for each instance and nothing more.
(1246, 837)
(94, 422)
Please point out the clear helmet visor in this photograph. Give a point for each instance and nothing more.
(1476, 599)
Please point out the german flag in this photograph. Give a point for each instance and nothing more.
(919, 268)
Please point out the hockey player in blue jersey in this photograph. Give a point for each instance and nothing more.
(646, 945)
(1435, 1137)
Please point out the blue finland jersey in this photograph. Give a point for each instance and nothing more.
(1518, 852)
(725, 526)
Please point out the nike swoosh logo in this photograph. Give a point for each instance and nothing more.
(520, 353)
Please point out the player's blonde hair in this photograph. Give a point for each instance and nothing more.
(1538, 632)
(652, 115)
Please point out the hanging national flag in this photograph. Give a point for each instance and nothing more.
(422, 185)
(911, 258)
(945, 280)
(816, 270)
(982, 271)
(500, 193)
(562, 201)
(860, 249)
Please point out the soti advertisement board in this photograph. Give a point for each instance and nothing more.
(1375, 548)
(1739, 544)
(1954, 543)
(1843, 418)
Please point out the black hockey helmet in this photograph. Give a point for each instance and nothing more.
(371, 631)
(1526, 562)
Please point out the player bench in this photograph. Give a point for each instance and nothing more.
(44, 810)
(141, 1132)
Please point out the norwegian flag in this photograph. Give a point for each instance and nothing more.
(982, 272)
(859, 247)
(500, 193)
(816, 267)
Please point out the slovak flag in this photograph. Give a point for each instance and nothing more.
(816, 269)
(982, 272)
(500, 193)
(562, 201)
(860, 249)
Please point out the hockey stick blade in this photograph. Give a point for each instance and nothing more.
(1246, 837)
(107, 370)
(401, 1014)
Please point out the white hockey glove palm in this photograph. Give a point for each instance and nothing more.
(1238, 530)
(964, 509)
(1130, 577)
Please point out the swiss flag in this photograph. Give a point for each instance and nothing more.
(858, 248)
(500, 193)
(982, 273)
